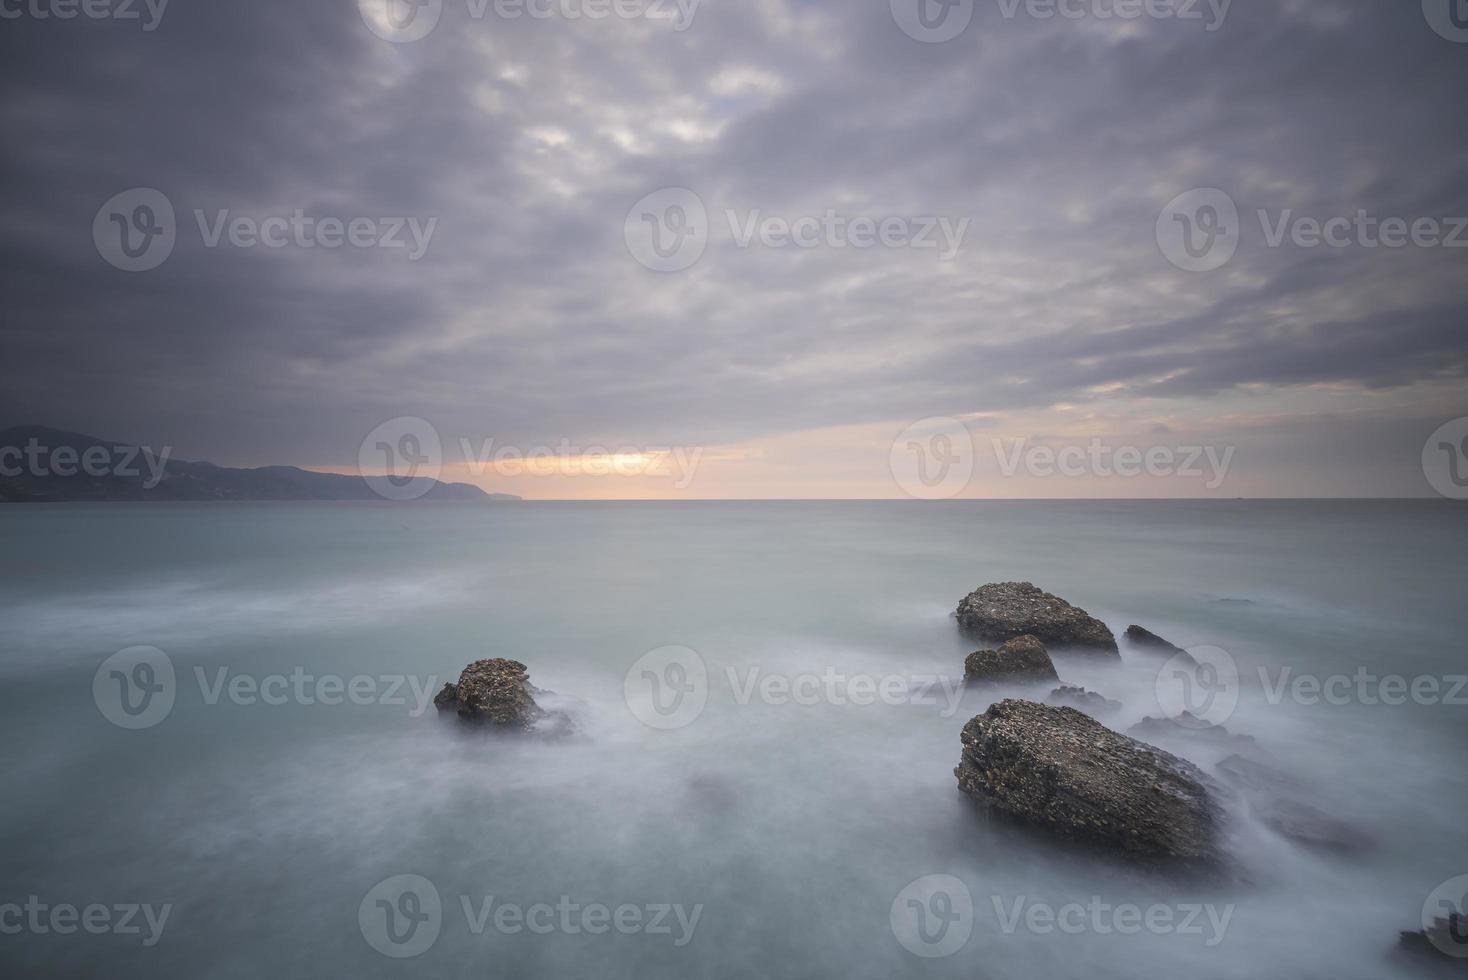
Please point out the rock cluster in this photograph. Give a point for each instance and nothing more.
(1060, 770)
(1023, 658)
(1002, 611)
(1051, 766)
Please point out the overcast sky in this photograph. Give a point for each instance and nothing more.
(1039, 155)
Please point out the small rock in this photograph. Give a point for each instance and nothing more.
(1060, 770)
(447, 699)
(1004, 610)
(1149, 642)
(1023, 658)
(1081, 699)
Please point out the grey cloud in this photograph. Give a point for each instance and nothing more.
(528, 319)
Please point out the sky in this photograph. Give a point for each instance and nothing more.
(748, 248)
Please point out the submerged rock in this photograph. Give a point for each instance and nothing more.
(1306, 824)
(1188, 727)
(496, 693)
(1253, 775)
(1149, 642)
(1429, 947)
(1275, 798)
(1023, 658)
(1062, 771)
(713, 794)
(1081, 699)
(1004, 610)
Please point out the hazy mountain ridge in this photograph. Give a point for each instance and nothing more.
(40, 464)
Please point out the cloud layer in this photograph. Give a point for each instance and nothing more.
(529, 320)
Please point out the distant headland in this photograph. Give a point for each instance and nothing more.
(45, 465)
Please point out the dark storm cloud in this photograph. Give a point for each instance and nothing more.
(529, 140)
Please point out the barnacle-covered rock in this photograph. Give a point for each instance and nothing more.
(1023, 658)
(1002, 611)
(496, 693)
(1062, 771)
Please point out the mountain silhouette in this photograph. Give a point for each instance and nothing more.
(40, 464)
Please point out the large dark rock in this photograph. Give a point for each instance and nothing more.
(1023, 658)
(1002, 611)
(496, 693)
(1059, 770)
(1149, 642)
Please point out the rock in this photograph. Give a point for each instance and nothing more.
(1057, 769)
(1252, 775)
(712, 794)
(1274, 798)
(1081, 699)
(1428, 947)
(496, 693)
(1023, 658)
(1149, 642)
(1189, 727)
(1308, 825)
(1002, 611)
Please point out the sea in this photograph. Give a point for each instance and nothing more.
(221, 758)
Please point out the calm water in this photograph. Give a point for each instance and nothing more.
(789, 827)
